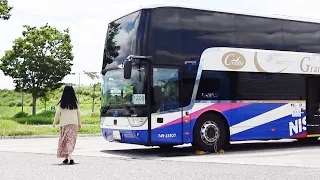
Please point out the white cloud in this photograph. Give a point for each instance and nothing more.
(88, 20)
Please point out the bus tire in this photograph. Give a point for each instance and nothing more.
(210, 128)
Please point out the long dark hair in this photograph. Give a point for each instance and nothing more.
(68, 99)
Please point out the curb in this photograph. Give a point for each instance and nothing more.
(46, 136)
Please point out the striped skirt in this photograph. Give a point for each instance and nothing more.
(67, 140)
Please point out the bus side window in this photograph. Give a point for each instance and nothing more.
(213, 86)
(209, 88)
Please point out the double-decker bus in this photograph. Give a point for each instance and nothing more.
(176, 75)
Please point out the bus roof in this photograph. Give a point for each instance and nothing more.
(276, 16)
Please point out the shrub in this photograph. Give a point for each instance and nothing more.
(12, 104)
(46, 113)
(86, 93)
(4, 94)
(21, 115)
(34, 120)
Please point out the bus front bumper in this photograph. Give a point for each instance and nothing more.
(126, 136)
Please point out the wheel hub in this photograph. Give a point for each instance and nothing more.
(209, 132)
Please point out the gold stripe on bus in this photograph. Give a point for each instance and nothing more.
(313, 135)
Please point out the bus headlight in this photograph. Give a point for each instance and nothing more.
(137, 121)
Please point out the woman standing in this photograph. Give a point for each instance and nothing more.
(68, 116)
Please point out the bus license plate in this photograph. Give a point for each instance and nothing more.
(116, 135)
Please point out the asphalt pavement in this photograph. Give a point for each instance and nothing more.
(31, 166)
(98, 159)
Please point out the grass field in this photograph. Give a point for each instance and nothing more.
(14, 122)
(11, 128)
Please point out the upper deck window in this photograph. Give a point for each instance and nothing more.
(121, 39)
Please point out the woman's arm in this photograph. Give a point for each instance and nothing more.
(79, 118)
(56, 116)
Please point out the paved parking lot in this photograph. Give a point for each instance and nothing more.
(95, 158)
(274, 153)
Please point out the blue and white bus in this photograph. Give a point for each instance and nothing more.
(176, 75)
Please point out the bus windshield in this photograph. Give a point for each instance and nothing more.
(120, 93)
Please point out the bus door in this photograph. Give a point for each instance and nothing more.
(313, 106)
(166, 117)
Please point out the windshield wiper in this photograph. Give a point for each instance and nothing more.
(105, 108)
(128, 108)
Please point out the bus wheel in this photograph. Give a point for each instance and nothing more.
(209, 130)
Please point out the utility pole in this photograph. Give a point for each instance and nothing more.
(22, 100)
(79, 90)
(78, 85)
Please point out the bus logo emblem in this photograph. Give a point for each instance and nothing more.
(233, 60)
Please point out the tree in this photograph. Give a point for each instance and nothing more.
(5, 10)
(38, 61)
(94, 76)
(46, 97)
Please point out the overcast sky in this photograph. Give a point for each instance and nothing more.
(88, 21)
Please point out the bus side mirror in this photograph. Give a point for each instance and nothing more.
(127, 69)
